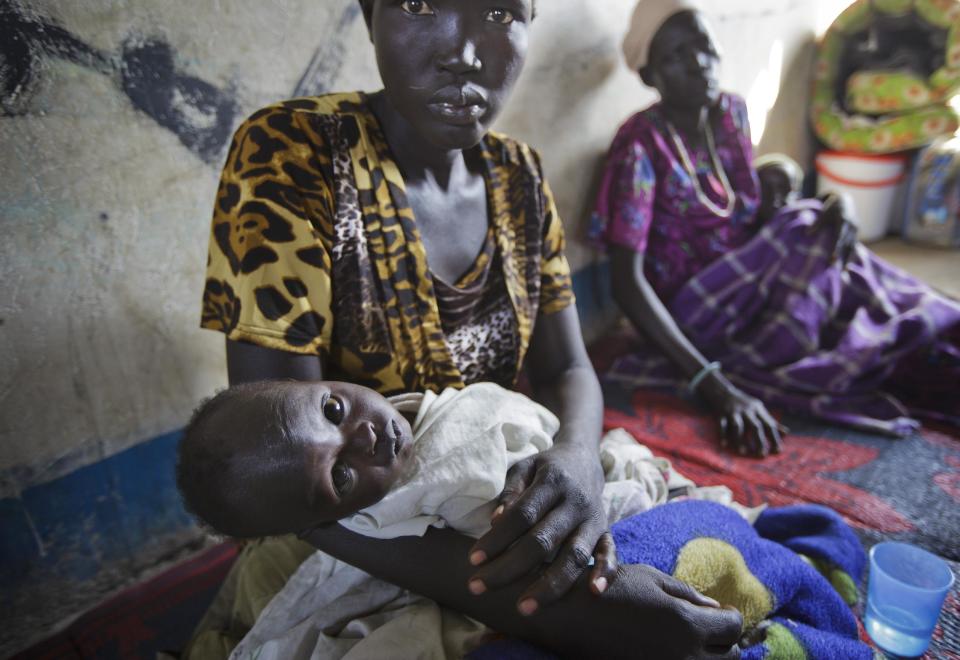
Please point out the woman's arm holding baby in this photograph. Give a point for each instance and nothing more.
(644, 613)
(552, 504)
(247, 363)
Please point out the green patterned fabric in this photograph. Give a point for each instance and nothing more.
(890, 110)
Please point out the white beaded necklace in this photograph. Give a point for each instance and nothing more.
(717, 166)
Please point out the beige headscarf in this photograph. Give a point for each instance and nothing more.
(648, 16)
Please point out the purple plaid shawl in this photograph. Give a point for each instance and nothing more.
(867, 345)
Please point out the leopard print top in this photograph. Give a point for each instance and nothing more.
(315, 250)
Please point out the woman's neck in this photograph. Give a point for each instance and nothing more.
(689, 122)
(418, 160)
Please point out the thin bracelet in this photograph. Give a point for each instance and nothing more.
(705, 371)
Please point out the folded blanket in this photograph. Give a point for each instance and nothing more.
(791, 609)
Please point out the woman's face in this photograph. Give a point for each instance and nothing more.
(683, 62)
(448, 65)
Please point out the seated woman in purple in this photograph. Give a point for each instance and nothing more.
(790, 312)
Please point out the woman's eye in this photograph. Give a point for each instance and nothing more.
(342, 478)
(416, 7)
(333, 409)
(501, 16)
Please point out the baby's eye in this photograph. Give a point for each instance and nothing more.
(333, 409)
(417, 7)
(342, 478)
(501, 16)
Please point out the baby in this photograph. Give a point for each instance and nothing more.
(272, 458)
(780, 181)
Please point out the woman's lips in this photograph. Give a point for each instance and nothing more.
(458, 105)
(457, 114)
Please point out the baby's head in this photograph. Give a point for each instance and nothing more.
(780, 181)
(279, 457)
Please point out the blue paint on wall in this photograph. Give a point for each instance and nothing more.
(99, 516)
(591, 286)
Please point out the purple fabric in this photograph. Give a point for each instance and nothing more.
(647, 202)
(867, 346)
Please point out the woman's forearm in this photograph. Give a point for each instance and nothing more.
(644, 614)
(575, 398)
(248, 362)
(563, 379)
(643, 307)
(436, 566)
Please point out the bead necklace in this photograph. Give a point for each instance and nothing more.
(717, 166)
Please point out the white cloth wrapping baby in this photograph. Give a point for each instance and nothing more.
(466, 440)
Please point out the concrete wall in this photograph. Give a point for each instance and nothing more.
(114, 117)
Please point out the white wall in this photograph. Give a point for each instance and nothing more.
(105, 212)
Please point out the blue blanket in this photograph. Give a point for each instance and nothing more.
(792, 575)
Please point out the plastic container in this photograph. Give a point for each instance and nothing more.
(905, 593)
(933, 203)
(872, 182)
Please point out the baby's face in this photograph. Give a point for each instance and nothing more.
(775, 189)
(348, 444)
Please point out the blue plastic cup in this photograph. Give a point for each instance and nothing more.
(904, 596)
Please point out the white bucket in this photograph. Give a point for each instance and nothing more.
(872, 182)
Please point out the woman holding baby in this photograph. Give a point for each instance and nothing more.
(391, 240)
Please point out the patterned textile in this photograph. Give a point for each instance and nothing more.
(766, 571)
(889, 109)
(477, 320)
(314, 249)
(867, 346)
(646, 200)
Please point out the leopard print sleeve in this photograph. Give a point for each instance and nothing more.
(556, 283)
(268, 267)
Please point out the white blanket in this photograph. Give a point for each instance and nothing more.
(466, 440)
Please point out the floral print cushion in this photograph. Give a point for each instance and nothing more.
(888, 110)
(883, 92)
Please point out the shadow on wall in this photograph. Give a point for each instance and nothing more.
(201, 115)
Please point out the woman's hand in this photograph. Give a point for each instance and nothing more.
(745, 423)
(836, 217)
(550, 513)
(649, 614)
